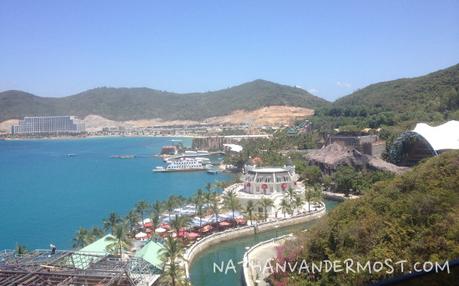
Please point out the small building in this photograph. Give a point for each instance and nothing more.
(366, 144)
(169, 150)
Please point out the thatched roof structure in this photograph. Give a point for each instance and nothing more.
(331, 156)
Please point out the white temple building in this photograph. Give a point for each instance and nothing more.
(267, 182)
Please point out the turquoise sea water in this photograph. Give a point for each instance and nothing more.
(45, 196)
(202, 271)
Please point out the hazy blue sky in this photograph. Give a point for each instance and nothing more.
(57, 48)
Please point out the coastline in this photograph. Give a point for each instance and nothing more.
(97, 137)
(231, 234)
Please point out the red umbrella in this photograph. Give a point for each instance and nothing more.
(165, 225)
(192, 235)
(206, 228)
(148, 224)
(182, 232)
(224, 223)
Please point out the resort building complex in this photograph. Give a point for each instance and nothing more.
(48, 125)
(272, 183)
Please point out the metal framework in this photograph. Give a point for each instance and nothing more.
(73, 268)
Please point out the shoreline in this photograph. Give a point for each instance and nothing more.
(231, 234)
(97, 137)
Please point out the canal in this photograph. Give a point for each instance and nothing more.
(202, 273)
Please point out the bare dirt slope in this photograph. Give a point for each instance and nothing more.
(272, 116)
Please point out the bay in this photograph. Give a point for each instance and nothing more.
(46, 195)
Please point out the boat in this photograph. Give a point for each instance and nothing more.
(71, 155)
(212, 171)
(122, 156)
(182, 165)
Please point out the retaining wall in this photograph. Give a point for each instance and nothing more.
(230, 234)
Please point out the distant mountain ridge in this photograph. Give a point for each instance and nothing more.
(435, 92)
(425, 98)
(144, 103)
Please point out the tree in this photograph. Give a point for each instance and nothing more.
(154, 220)
(157, 207)
(298, 202)
(132, 218)
(308, 194)
(312, 174)
(290, 194)
(85, 236)
(21, 249)
(170, 205)
(198, 201)
(110, 222)
(215, 206)
(141, 207)
(179, 222)
(119, 240)
(284, 206)
(265, 203)
(173, 250)
(249, 208)
(231, 201)
(82, 238)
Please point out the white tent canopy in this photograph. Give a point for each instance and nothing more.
(141, 235)
(442, 137)
(234, 147)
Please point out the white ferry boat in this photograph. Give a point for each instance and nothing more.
(182, 165)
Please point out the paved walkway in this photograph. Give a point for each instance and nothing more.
(259, 257)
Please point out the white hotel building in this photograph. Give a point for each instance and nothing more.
(48, 125)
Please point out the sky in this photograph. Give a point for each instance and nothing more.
(330, 48)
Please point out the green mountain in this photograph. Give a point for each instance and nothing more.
(437, 92)
(145, 103)
(395, 105)
(413, 217)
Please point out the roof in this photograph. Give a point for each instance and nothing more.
(441, 137)
(234, 147)
(335, 155)
(268, 170)
(99, 245)
(151, 253)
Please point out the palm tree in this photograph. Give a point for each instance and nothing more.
(265, 203)
(157, 207)
(214, 206)
(308, 195)
(110, 222)
(132, 218)
(21, 249)
(231, 201)
(209, 187)
(141, 207)
(284, 206)
(81, 238)
(198, 201)
(250, 207)
(290, 195)
(119, 240)
(170, 204)
(96, 232)
(179, 222)
(154, 220)
(173, 250)
(298, 202)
